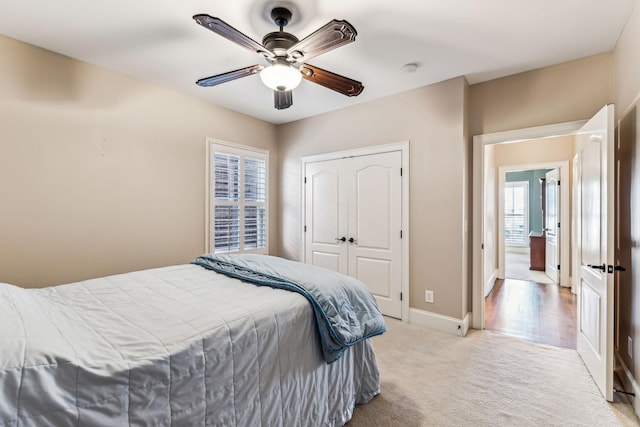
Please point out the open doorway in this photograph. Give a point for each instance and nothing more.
(529, 217)
(527, 299)
(527, 244)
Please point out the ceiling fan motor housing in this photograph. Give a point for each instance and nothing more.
(279, 42)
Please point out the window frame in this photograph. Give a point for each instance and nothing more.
(217, 146)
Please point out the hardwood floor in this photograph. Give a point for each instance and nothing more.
(533, 311)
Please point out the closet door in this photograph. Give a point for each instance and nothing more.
(375, 224)
(353, 218)
(326, 215)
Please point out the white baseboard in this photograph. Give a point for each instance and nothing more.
(629, 383)
(439, 322)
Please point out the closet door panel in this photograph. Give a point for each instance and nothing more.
(373, 210)
(375, 222)
(326, 260)
(377, 274)
(326, 213)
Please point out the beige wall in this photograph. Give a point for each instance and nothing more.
(535, 151)
(432, 119)
(101, 173)
(627, 66)
(565, 92)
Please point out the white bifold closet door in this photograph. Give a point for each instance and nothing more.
(354, 222)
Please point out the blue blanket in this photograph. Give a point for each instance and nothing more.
(345, 310)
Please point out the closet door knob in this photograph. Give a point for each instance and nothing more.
(352, 240)
(341, 239)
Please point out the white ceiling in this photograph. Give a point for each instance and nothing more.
(158, 41)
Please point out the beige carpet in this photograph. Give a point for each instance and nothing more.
(516, 266)
(435, 379)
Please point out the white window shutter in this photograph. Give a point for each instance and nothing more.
(238, 203)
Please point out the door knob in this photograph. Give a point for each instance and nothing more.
(602, 267)
(341, 239)
(352, 240)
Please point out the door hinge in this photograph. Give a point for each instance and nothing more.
(558, 225)
(401, 234)
(305, 179)
(305, 228)
(400, 171)
(400, 296)
(558, 267)
(558, 182)
(482, 246)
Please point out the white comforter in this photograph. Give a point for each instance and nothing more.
(179, 346)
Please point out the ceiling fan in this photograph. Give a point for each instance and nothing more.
(286, 56)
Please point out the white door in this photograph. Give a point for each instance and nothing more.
(375, 218)
(552, 224)
(595, 218)
(353, 218)
(326, 215)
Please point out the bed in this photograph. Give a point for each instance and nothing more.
(182, 345)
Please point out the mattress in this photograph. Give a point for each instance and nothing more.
(179, 345)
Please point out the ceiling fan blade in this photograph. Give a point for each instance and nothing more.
(282, 99)
(344, 85)
(334, 34)
(225, 30)
(231, 75)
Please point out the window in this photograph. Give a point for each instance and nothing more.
(238, 208)
(516, 213)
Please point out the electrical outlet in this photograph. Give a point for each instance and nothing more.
(428, 296)
(630, 347)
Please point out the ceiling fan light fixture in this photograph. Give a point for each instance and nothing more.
(281, 76)
(285, 54)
